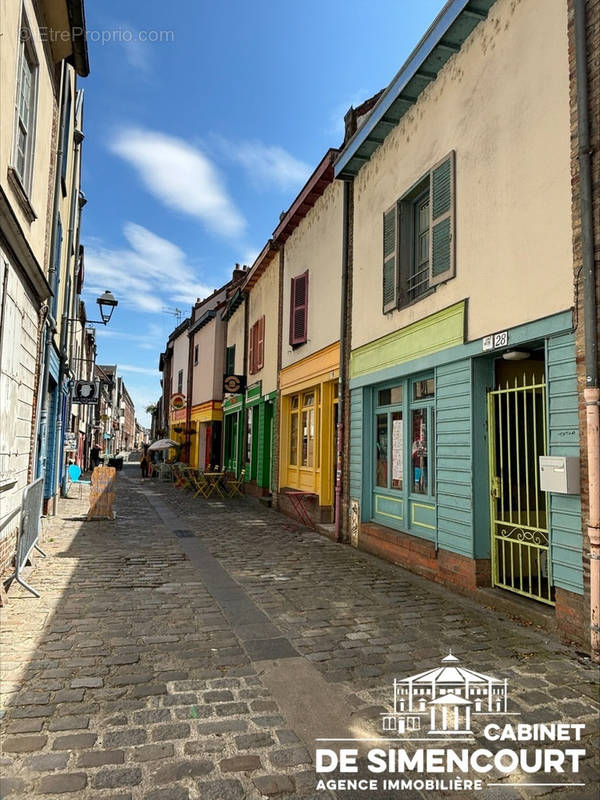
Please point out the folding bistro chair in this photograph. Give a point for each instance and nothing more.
(199, 484)
(74, 473)
(165, 473)
(179, 476)
(235, 486)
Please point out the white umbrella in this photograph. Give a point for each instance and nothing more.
(163, 444)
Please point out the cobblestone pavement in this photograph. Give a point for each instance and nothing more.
(195, 649)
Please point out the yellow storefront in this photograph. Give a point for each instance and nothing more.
(177, 431)
(309, 390)
(205, 434)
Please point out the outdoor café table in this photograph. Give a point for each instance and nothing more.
(297, 501)
(215, 483)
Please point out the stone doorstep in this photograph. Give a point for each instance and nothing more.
(525, 611)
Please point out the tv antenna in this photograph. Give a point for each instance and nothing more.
(173, 312)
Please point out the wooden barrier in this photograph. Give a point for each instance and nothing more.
(102, 493)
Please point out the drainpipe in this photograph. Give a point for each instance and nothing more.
(242, 427)
(592, 392)
(42, 437)
(339, 528)
(63, 411)
(189, 390)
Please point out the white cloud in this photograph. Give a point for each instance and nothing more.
(152, 338)
(149, 274)
(250, 256)
(181, 177)
(137, 55)
(269, 165)
(142, 370)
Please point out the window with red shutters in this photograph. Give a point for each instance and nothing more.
(256, 350)
(259, 347)
(299, 310)
(251, 369)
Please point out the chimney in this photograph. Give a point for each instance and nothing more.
(238, 273)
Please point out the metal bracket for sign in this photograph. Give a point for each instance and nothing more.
(29, 532)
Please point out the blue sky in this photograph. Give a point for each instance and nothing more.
(196, 143)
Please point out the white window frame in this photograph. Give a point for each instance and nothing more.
(26, 51)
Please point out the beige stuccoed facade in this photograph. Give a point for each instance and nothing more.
(308, 380)
(36, 37)
(315, 245)
(40, 191)
(263, 300)
(236, 326)
(180, 364)
(502, 104)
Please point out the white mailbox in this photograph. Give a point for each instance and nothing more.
(559, 474)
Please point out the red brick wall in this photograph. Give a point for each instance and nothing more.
(8, 547)
(571, 618)
(420, 556)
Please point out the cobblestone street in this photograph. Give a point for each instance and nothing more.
(196, 649)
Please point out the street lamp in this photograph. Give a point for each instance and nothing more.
(107, 303)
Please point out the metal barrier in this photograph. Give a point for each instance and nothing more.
(29, 531)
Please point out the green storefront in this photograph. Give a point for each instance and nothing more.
(249, 437)
(444, 454)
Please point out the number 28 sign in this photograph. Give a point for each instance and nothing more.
(495, 341)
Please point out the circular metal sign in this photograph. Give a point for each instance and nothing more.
(177, 401)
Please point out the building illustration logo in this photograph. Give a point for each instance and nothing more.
(446, 698)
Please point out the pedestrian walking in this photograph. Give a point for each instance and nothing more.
(145, 464)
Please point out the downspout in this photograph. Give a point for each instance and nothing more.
(591, 392)
(64, 409)
(339, 528)
(242, 427)
(42, 437)
(78, 138)
(188, 399)
(2, 307)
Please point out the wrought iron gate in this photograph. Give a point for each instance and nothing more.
(519, 514)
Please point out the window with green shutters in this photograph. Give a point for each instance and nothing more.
(230, 360)
(418, 238)
(390, 282)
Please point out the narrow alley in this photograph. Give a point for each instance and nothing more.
(199, 649)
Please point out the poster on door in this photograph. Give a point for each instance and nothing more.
(397, 452)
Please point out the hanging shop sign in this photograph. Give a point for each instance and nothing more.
(70, 442)
(85, 392)
(177, 401)
(234, 384)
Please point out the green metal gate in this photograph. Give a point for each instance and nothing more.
(519, 511)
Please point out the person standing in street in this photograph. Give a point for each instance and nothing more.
(145, 463)
(95, 456)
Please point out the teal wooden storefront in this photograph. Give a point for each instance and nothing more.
(450, 505)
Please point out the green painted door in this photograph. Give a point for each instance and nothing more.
(231, 442)
(265, 444)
